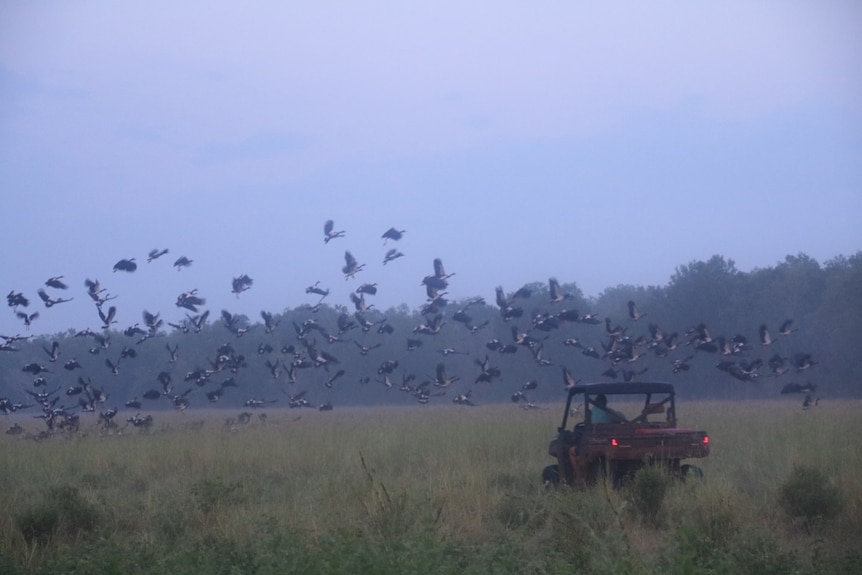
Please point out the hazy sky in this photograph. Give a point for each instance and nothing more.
(600, 143)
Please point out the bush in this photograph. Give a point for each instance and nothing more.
(210, 494)
(39, 523)
(808, 494)
(63, 511)
(647, 491)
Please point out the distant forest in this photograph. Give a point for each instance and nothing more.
(713, 331)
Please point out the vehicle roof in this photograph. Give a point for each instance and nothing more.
(622, 388)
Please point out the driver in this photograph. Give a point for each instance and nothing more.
(601, 413)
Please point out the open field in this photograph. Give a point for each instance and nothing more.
(436, 489)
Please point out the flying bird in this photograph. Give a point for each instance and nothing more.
(173, 352)
(392, 254)
(442, 379)
(634, 313)
(329, 232)
(107, 318)
(807, 387)
(241, 284)
(269, 321)
(351, 267)
(155, 254)
(114, 367)
(190, 300)
(126, 265)
(28, 319)
(14, 299)
(765, 336)
(786, 327)
(152, 321)
(777, 365)
(182, 262)
(803, 361)
(35, 368)
(332, 379)
(440, 271)
(72, 364)
(809, 402)
(569, 380)
(363, 349)
(488, 373)
(681, 364)
(54, 352)
(464, 399)
(50, 301)
(315, 289)
(431, 326)
(55, 282)
(556, 292)
(392, 234)
(94, 289)
(359, 302)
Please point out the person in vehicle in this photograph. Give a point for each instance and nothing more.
(601, 413)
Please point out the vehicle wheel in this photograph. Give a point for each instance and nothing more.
(595, 473)
(690, 472)
(624, 474)
(551, 475)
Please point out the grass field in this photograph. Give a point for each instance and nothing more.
(435, 489)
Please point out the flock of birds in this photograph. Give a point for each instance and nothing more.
(620, 351)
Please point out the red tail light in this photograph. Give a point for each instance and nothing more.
(614, 442)
(705, 440)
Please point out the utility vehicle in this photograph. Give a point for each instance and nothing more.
(624, 427)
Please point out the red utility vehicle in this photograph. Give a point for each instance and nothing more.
(613, 444)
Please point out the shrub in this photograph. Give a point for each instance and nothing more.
(210, 494)
(38, 523)
(62, 511)
(515, 512)
(808, 494)
(647, 491)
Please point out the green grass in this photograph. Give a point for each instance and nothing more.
(436, 489)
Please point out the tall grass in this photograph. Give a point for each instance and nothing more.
(432, 489)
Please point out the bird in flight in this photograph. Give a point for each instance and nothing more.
(155, 254)
(765, 336)
(329, 232)
(182, 262)
(351, 267)
(55, 282)
(28, 319)
(392, 234)
(634, 313)
(50, 301)
(241, 284)
(126, 265)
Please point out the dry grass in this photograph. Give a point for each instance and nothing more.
(461, 476)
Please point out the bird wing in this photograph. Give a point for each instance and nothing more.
(439, 271)
(554, 288)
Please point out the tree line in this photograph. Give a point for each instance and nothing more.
(391, 359)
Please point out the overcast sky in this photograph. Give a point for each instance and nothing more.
(600, 143)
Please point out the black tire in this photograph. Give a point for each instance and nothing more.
(690, 472)
(551, 475)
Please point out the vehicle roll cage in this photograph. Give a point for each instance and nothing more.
(647, 389)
